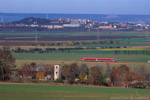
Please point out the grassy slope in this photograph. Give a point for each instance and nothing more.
(51, 92)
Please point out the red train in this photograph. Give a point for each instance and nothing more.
(100, 59)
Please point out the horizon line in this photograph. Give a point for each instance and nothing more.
(68, 13)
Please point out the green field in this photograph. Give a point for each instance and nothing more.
(79, 56)
(53, 92)
(123, 42)
(67, 58)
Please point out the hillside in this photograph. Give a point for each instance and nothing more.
(9, 17)
(33, 20)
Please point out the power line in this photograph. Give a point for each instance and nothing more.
(98, 35)
(36, 38)
(2, 19)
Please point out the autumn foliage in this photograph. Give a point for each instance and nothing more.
(73, 73)
(7, 65)
(118, 74)
(122, 76)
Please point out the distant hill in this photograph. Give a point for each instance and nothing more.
(39, 21)
(112, 16)
(9, 17)
(32, 20)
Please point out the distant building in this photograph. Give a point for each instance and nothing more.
(58, 26)
(34, 25)
(57, 72)
(103, 27)
(72, 25)
(48, 26)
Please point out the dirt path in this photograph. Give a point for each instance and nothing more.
(59, 84)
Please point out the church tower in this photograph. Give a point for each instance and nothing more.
(57, 72)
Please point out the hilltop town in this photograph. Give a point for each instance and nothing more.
(43, 24)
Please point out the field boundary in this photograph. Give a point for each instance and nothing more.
(59, 84)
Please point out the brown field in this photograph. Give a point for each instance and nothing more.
(64, 37)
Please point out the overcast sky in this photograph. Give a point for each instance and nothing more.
(76, 6)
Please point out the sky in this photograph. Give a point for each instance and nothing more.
(76, 6)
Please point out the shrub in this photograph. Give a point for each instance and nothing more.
(59, 81)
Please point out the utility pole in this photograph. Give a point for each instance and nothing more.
(47, 16)
(98, 35)
(2, 19)
(36, 37)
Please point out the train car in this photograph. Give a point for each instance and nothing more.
(100, 59)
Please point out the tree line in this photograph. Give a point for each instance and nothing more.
(131, 52)
(75, 74)
(70, 49)
(82, 74)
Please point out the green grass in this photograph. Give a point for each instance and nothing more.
(52, 92)
(79, 56)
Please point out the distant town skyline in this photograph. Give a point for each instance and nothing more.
(139, 7)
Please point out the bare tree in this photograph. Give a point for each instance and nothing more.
(7, 64)
(96, 77)
(74, 72)
(65, 71)
(118, 74)
(108, 70)
(143, 72)
(84, 69)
